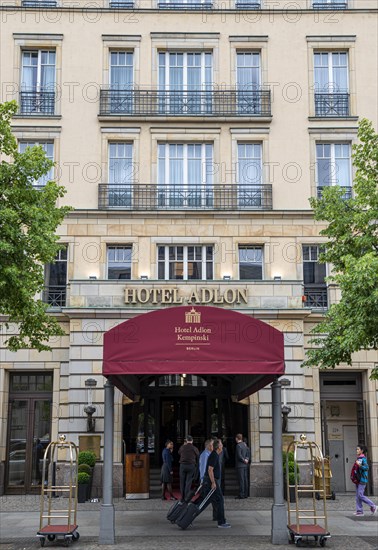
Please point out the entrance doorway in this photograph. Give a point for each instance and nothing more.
(181, 416)
(29, 430)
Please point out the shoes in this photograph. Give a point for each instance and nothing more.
(173, 498)
(373, 510)
(224, 526)
(358, 514)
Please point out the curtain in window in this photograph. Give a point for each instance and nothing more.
(121, 81)
(120, 174)
(47, 71)
(29, 71)
(249, 174)
(248, 82)
(331, 72)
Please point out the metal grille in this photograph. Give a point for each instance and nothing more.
(36, 103)
(330, 6)
(55, 296)
(347, 192)
(178, 197)
(316, 296)
(332, 105)
(185, 103)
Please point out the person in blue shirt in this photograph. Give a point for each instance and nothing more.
(363, 467)
(204, 456)
(166, 476)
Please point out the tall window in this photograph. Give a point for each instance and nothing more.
(331, 84)
(329, 4)
(185, 263)
(120, 174)
(249, 174)
(48, 147)
(38, 82)
(248, 76)
(314, 273)
(333, 166)
(119, 262)
(185, 82)
(185, 174)
(56, 280)
(251, 262)
(121, 81)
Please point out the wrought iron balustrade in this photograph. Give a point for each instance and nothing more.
(187, 6)
(332, 105)
(347, 191)
(330, 5)
(37, 103)
(138, 196)
(247, 5)
(55, 296)
(316, 296)
(212, 103)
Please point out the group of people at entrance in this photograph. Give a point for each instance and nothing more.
(207, 469)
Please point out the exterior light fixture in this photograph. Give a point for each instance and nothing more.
(93, 277)
(144, 277)
(277, 278)
(285, 410)
(90, 409)
(227, 277)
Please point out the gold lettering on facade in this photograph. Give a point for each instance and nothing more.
(242, 295)
(193, 297)
(176, 299)
(171, 295)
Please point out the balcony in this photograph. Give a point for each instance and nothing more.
(206, 5)
(37, 103)
(139, 196)
(347, 191)
(332, 105)
(55, 296)
(316, 296)
(330, 5)
(173, 103)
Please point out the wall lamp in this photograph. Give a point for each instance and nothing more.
(285, 410)
(92, 277)
(277, 278)
(90, 409)
(144, 277)
(227, 277)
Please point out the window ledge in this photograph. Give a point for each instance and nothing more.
(47, 117)
(326, 118)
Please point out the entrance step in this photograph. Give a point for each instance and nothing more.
(231, 483)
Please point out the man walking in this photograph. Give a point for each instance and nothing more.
(188, 459)
(242, 456)
(211, 480)
(209, 447)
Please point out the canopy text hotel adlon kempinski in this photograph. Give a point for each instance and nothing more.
(189, 135)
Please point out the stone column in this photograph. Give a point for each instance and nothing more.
(279, 512)
(107, 518)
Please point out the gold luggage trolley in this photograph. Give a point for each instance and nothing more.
(58, 515)
(305, 523)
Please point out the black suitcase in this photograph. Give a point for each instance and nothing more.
(192, 510)
(178, 507)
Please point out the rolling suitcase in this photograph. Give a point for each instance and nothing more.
(192, 510)
(178, 507)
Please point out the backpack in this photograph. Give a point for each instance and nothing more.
(355, 474)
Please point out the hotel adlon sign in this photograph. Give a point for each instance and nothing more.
(185, 295)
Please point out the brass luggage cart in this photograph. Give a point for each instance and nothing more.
(328, 476)
(308, 522)
(58, 507)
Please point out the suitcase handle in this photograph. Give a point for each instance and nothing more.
(206, 498)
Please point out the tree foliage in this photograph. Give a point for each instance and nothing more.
(352, 249)
(28, 222)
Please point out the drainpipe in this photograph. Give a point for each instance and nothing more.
(107, 523)
(279, 512)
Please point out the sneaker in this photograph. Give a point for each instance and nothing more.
(373, 510)
(224, 526)
(358, 514)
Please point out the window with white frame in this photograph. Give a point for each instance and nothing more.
(248, 81)
(250, 262)
(48, 147)
(331, 83)
(185, 4)
(120, 174)
(249, 175)
(333, 165)
(248, 4)
(119, 262)
(314, 274)
(38, 82)
(121, 76)
(185, 174)
(56, 279)
(329, 4)
(185, 82)
(185, 263)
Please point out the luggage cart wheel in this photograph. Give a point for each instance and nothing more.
(298, 542)
(76, 535)
(317, 496)
(51, 538)
(322, 541)
(42, 540)
(333, 496)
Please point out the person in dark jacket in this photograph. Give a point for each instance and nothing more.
(362, 466)
(189, 455)
(242, 456)
(166, 476)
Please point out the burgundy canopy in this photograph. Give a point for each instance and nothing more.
(194, 340)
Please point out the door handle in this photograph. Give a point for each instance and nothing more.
(347, 460)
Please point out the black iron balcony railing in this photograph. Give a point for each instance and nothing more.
(332, 105)
(140, 196)
(214, 103)
(118, 4)
(37, 103)
(39, 3)
(249, 5)
(347, 192)
(316, 296)
(185, 6)
(55, 296)
(330, 5)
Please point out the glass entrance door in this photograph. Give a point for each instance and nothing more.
(182, 416)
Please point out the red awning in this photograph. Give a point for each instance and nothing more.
(194, 340)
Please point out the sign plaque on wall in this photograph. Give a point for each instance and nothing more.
(90, 443)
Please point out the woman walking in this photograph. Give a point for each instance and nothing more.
(166, 476)
(359, 476)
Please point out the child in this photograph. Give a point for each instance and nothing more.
(361, 466)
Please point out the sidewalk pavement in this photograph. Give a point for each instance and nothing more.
(143, 525)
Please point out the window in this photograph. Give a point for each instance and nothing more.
(333, 166)
(56, 280)
(185, 82)
(48, 147)
(248, 4)
(331, 84)
(185, 263)
(330, 4)
(314, 273)
(123, 4)
(119, 262)
(121, 81)
(248, 77)
(251, 262)
(38, 82)
(39, 3)
(120, 174)
(185, 175)
(249, 174)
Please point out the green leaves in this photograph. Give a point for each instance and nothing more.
(29, 218)
(352, 248)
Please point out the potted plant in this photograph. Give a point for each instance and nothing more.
(86, 461)
(293, 473)
(83, 480)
